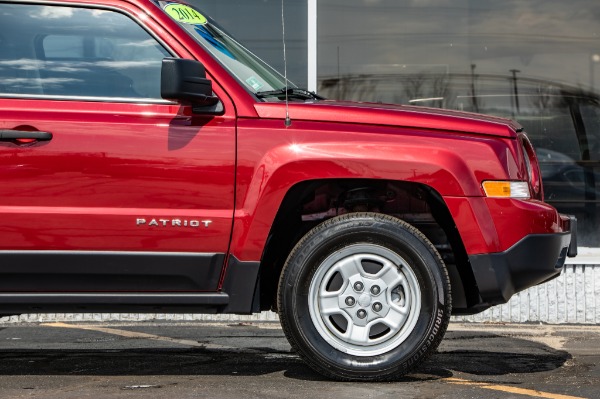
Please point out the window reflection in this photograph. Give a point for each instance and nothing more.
(537, 62)
(112, 56)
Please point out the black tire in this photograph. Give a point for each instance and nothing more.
(379, 250)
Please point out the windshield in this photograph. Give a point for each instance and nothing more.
(255, 74)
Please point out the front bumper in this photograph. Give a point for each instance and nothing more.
(533, 260)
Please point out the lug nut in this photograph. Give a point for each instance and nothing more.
(377, 307)
(350, 301)
(358, 286)
(375, 290)
(361, 313)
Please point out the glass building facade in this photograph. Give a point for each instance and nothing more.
(257, 25)
(535, 61)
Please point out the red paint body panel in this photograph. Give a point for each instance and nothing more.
(109, 164)
(392, 115)
(489, 225)
(273, 157)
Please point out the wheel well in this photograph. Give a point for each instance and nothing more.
(309, 203)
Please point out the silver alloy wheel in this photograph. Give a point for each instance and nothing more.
(364, 300)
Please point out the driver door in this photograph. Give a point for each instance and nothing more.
(106, 187)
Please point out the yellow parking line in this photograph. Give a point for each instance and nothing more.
(140, 335)
(505, 388)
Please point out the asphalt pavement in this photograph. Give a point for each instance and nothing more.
(253, 360)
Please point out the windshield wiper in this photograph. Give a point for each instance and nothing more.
(291, 92)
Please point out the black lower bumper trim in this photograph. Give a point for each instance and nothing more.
(533, 260)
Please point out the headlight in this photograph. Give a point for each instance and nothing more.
(533, 168)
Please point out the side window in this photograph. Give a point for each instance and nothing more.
(68, 51)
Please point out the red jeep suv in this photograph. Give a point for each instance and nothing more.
(149, 161)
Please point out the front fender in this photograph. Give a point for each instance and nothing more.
(272, 158)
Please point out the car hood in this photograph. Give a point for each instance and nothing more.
(391, 115)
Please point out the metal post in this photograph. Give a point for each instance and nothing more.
(312, 45)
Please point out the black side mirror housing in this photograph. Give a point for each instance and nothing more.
(185, 80)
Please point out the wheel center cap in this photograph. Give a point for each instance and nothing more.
(364, 300)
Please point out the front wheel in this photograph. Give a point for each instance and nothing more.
(364, 297)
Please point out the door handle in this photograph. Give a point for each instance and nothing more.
(19, 135)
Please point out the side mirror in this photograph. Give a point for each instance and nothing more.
(185, 80)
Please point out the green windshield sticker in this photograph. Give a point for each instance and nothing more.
(254, 83)
(185, 14)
